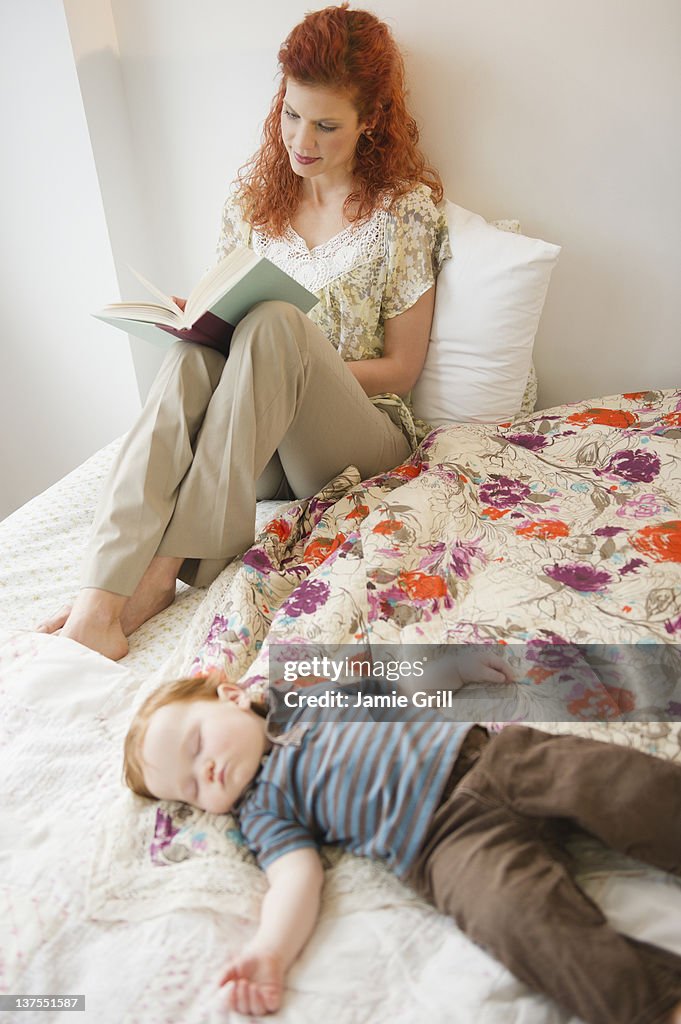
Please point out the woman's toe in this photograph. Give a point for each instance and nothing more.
(56, 622)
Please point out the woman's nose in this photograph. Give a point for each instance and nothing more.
(305, 141)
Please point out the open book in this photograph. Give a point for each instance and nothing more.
(214, 307)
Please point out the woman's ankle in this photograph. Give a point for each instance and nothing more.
(101, 606)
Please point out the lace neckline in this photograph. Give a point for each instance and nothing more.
(320, 266)
(333, 242)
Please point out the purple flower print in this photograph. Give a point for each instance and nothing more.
(555, 653)
(533, 442)
(164, 833)
(580, 576)
(638, 467)
(307, 598)
(642, 507)
(462, 556)
(502, 492)
(608, 531)
(218, 626)
(632, 566)
(673, 626)
(431, 439)
(258, 560)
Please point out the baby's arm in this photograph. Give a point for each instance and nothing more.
(255, 978)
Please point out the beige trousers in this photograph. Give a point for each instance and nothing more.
(280, 417)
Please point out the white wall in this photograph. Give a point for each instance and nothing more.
(96, 52)
(563, 115)
(67, 386)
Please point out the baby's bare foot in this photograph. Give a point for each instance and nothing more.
(675, 1017)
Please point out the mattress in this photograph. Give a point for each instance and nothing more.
(89, 906)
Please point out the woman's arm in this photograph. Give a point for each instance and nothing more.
(287, 918)
(404, 352)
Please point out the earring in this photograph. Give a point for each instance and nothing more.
(368, 140)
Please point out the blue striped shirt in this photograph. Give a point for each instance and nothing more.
(370, 786)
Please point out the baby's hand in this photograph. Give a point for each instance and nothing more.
(480, 666)
(253, 982)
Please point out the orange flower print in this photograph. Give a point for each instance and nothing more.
(361, 512)
(494, 513)
(597, 705)
(635, 396)
(280, 528)
(420, 586)
(388, 526)
(407, 472)
(672, 419)
(606, 417)
(544, 529)
(319, 550)
(662, 543)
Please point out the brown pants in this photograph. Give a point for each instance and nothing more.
(280, 417)
(492, 860)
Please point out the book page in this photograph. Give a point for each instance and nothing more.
(223, 276)
(156, 292)
(147, 312)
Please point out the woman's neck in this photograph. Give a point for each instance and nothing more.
(321, 193)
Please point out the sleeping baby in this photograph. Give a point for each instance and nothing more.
(474, 822)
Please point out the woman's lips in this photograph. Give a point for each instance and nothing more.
(305, 159)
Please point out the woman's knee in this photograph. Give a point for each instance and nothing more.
(189, 357)
(189, 368)
(273, 323)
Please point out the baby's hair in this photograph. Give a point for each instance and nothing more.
(176, 692)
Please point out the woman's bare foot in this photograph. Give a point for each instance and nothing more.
(56, 621)
(102, 620)
(95, 622)
(154, 592)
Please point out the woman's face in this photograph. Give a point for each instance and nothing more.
(320, 128)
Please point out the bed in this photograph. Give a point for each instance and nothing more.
(558, 530)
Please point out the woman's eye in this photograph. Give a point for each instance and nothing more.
(289, 113)
(327, 128)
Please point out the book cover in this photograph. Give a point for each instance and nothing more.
(213, 309)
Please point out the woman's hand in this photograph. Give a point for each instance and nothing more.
(180, 302)
(253, 982)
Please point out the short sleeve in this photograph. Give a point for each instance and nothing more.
(417, 244)
(270, 834)
(233, 229)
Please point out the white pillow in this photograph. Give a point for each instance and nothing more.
(488, 301)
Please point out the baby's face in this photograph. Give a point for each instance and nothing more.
(203, 752)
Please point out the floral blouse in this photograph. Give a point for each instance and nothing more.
(362, 276)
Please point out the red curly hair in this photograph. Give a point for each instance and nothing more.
(354, 52)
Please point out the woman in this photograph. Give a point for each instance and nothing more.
(340, 196)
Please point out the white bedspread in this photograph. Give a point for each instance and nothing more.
(151, 952)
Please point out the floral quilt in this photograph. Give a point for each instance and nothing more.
(564, 528)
